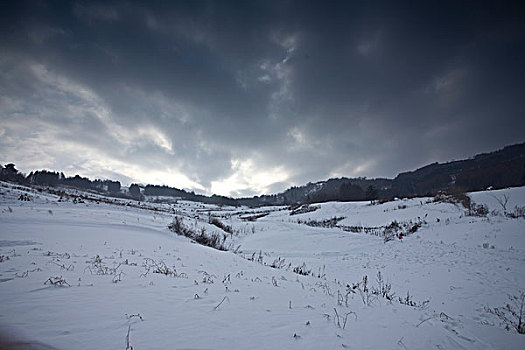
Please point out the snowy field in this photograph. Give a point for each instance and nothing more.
(80, 271)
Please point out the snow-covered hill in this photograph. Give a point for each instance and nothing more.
(79, 271)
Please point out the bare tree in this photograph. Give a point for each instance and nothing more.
(503, 201)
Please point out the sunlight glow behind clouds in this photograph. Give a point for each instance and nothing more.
(64, 96)
(247, 178)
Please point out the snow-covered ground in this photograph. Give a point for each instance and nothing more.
(80, 274)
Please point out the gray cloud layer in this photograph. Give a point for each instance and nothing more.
(243, 97)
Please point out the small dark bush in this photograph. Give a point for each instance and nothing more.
(214, 221)
(302, 270)
(327, 223)
(213, 240)
(518, 212)
(478, 210)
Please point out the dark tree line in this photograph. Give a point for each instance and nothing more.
(165, 191)
(342, 189)
(134, 191)
(499, 169)
(10, 173)
(53, 178)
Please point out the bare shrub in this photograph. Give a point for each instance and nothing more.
(98, 267)
(502, 201)
(338, 318)
(57, 282)
(327, 223)
(458, 196)
(160, 268)
(478, 210)
(454, 196)
(213, 240)
(512, 314)
(278, 263)
(24, 197)
(216, 222)
(256, 258)
(389, 232)
(302, 209)
(118, 278)
(302, 270)
(410, 302)
(70, 267)
(518, 212)
(383, 290)
(207, 278)
(399, 230)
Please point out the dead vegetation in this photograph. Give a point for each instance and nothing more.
(161, 268)
(302, 209)
(372, 293)
(213, 240)
(216, 222)
(512, 314)
(98, 267)
(57, 282)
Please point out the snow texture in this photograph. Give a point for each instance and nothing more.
(81, 271)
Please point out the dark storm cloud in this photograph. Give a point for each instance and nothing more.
(246, 97)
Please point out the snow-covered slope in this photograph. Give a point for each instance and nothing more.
(80, 274)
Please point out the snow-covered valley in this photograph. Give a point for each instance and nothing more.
(99, 273)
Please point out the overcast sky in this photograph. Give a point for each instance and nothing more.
(251, 97)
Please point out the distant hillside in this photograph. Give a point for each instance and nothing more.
(154, 190)
(499, 169)
(340, 189)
